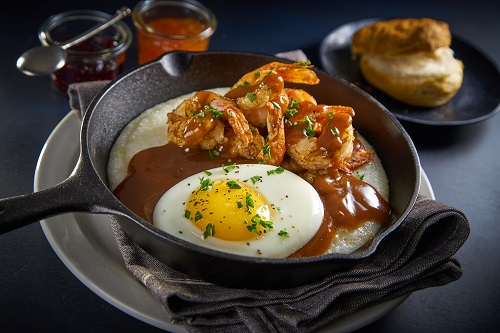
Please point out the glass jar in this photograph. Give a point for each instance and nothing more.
(99, 58)
(163, 26)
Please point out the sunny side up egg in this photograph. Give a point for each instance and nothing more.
(246, 209)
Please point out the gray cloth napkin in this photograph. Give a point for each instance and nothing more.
(417, 255)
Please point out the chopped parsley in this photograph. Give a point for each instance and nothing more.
(304, 63)
(276, 105)
(245, 83)
(310, 132)
(228, 168)
(256, 179)
(198, 216)
(205, 184)
(187, 213)
(215, 112)
(266, 150)
(335, 131)
(251, 97)
(233, 185)
(290, 112)
(256, 221)
(277, 171)
(283, 233)
(294, 103)
(209, 231)
(213, 153)
(199, 114)
(249, 201)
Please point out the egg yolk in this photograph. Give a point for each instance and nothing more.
(229, 210)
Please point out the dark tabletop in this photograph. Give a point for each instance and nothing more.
(39, 294)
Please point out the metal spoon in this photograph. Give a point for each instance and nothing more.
(44, 60)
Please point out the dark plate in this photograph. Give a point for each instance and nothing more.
(477, 100)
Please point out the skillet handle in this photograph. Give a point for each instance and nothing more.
(71, 195)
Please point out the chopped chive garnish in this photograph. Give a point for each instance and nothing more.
(256, 221)
(233, 185)
(249, 201)
(266, 150)
(277, 171)
(309, 130)
(283, 233)
(213, 153)
(214, 111)
(197, 216)
(228, 168)
(209, 231)
(205, 184)
(256, 179)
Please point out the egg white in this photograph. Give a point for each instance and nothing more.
(300, 212)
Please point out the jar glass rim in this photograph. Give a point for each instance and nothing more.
(122, 29)
(191, 5)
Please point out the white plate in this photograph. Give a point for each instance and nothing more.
(86, 245)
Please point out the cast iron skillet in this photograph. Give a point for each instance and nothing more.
(178, 73)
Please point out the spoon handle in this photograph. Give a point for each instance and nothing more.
(120, 13)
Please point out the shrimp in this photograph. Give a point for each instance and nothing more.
(262, 98)
(320, 137)
(199, 121)
(275, 148)
(299, 72)
(269, 150)
(252, 150)
(266, 84)
(190, 132)
(297, 98)
(300, 96)
(210, 121)
(232, 114)
(254, 108)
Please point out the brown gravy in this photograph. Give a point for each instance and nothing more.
(348, 201)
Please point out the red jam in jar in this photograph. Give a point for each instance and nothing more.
(101, 57)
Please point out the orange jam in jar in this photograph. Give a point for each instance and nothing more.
(164, 26)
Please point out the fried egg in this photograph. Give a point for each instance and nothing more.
(249, 209)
